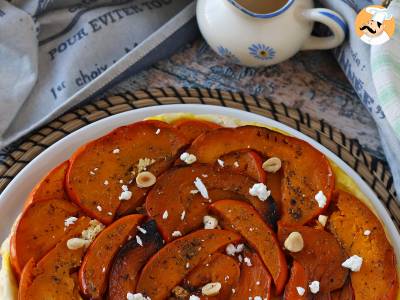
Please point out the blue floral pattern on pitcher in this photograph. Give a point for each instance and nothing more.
(262, 52)
(225, 52)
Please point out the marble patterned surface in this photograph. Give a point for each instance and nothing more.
(311, 81)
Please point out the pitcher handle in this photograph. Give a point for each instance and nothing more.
(335, 23)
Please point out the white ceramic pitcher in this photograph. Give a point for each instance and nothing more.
(254, 39)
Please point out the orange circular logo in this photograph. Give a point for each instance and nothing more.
(375, 25)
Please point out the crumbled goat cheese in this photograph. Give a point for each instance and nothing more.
(314, 287)
(109, 213)
(138, 296)
(210, 222)
(260, 190)
(183, 215)
(139, 241)
(221, 162)
(194, 191)
(247, 261)
(176, 233)
(258, 298)
(201, 187)
(165, 215)
(187, 265)
(99, 208)
(95, 227)
(367, 232)
(142, 230)
(116, 151)
(70, 221)
(322, 219)
(158, 131)
(236, 164)
(194, 297)
(105, 182)
(125, 194)
(188, 158)
(321, 199)
(353, 263)
(232, 250)
(301, 291)
(239, 248)
(144, 163)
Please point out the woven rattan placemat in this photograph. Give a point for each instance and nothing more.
(371, 169)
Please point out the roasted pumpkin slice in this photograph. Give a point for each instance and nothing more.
(39, 229)
(345, 293)
(177, 205)
(52, 186)
(218, 268)
(100, 172)
(93, 274)
(191, 129)
(169, 266)
(377, 278)
(130, 260)
(255, 279)
(245, 162)
(243, 218)
(53, 276)
(306, 170)
(321, 257)
(297, 286)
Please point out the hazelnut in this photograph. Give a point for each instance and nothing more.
(145, 179)
(76, 243)
(272, 165)
(322, 219)
(294, 242)
(211, 289)
(210, 222)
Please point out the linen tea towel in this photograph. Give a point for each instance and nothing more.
(56, 53)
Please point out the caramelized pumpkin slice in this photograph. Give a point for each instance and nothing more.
(218, 268)
(169, 266)
(39, 229)
(177, 205)
(255, 279)
(243, 218)
(377, 278)
(298, 279)
(345, 293)
(125, 270)
(191, 129)
(93, 274)
(99, 169)
(306, 170)
(51, 186)
(244, 162)
(321, 257)
(53, 276)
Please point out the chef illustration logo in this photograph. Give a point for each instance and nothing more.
(375, 25)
